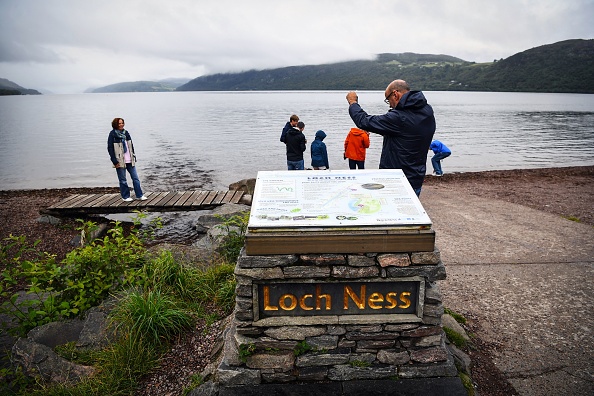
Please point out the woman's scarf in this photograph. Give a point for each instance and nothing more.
(122, 136)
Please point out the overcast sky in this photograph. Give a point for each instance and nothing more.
(67, 46)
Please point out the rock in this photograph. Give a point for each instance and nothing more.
(36, 356)
(206, 389)
(461, 359)
(219, 214)
(49, 219)
(95, 334)
(39, 359)
(246, 185)
(449, 322)
(56, 333)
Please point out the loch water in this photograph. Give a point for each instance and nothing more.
(187, 140)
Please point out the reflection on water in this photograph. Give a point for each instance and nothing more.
(207, 140)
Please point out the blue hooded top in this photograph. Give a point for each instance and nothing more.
(319, 155)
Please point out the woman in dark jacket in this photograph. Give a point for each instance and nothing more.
(121, 153)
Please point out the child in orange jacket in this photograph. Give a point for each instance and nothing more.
(355, 145)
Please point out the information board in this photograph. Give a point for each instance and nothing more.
(378, 198)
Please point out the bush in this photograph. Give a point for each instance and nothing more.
(63, 290)
(160, 298)
(235, 228)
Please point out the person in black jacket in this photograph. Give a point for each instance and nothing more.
(407, 128)
(296, 144)
(290, 124)
(121, 153)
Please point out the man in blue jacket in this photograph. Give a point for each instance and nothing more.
(407, 128)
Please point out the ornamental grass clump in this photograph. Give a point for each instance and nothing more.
(151, 316)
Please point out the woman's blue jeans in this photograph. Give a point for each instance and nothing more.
(124, 189)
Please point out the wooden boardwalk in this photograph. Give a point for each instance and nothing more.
(168, 201)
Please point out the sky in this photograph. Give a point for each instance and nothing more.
(69, 46)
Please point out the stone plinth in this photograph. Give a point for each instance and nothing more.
(339, 317)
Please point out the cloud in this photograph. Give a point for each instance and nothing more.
(69, 45)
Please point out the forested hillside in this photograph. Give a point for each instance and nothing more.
(565, 66)
(8, 87)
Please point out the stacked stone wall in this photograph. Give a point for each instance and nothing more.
(335, 348)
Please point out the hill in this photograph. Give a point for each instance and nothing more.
(8, 87)
(565, 66)
(166, 85)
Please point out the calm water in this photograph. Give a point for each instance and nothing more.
(210, 139)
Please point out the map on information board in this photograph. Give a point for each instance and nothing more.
(380, 198)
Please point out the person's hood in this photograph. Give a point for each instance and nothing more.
(294, 131)
(357, 131)
(320, 135)
(412, 99)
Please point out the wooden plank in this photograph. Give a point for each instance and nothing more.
(192, 198)
(208, 200)
(164, 198)
(236, 197)
(316, 242)
(228, 197)
(154, 197)
(184, 198)
(99, 198)
(177, 195)
(166, 201)
(116, 198)
(200, 198)
(83, 199)
(219, 197)
(65, 202)
(105, 199)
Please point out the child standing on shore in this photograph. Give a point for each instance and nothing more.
(319, 155)
(355, 146)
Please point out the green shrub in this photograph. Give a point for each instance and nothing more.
(232, 242)
(160, 297)
(66, 289)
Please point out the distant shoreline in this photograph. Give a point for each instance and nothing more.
(429, 179)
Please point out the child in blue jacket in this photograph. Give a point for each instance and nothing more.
(319, 155)
(441, 151)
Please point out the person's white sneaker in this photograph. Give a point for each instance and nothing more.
(127, 199)
(143, 198)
